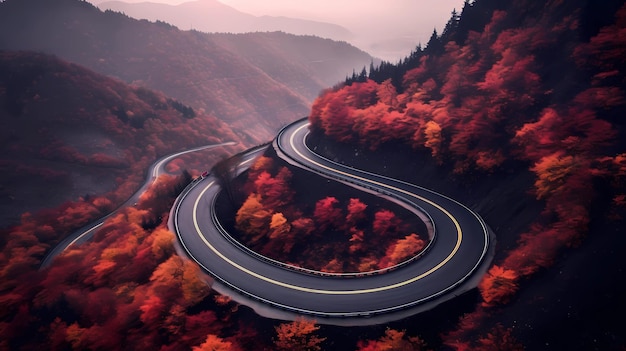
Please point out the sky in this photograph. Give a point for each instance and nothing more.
(388, 29)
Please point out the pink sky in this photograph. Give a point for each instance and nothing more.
(389, 28)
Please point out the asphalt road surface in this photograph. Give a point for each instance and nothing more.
(86, 232)
(458, 255)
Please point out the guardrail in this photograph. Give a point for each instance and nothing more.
(279, 150)
(224, 232)
(321, 314)
(291, 309)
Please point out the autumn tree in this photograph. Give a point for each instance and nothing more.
(402, 250)
(303, 227)
(432, 133)
(385, 223)
(356, 212)
(261, 164)
(214, 343)
(552, 171)
(393, 340)
(274, 191)
(327, 214)
(252, 218)
(194, 288)
(499, 338)
(498, 285)
(357, 240)
(299, 335)
(280, 238)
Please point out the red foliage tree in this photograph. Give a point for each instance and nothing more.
(385, 223)
(356, 212)
(402, 250)
(393, 340)
(274, 191)
(327, 214)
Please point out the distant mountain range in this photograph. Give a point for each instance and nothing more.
(389, 30)
(116, 81)
(214, 16)
(254, 82)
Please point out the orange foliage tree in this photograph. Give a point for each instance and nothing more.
(126, 286)
(327, 213)
(299, 335)
(215, 343)
(393, 340)
(402, 250)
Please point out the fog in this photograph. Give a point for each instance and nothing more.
(386, 29)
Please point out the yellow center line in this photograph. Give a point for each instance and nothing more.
(443, 210)
(332, 292)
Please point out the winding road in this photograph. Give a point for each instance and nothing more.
(86, 232)
(453, 264)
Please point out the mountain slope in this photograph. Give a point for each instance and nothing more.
(70, 133)
(190, 66)
(516, 109)
(306, 64)
(214, 16)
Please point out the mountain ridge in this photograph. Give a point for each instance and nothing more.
(187, 65)
(214, 16)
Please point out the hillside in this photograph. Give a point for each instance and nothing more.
(385, 29)
(306, 64)
(516, 110)
(70, 133)
(213, 16)
(271, 210)
(192, 67)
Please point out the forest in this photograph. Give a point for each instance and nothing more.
(523, 96)
(332, 229)
(542, 94)
(64, 122)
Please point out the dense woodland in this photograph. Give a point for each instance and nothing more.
(519, 87)
(305, 221)
(514, 88)
(84, 133)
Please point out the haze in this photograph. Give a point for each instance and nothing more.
(386, 29)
